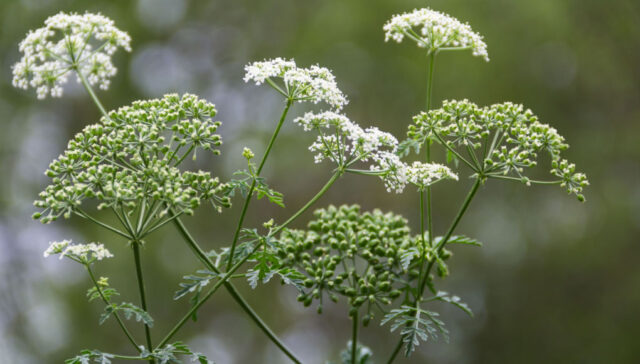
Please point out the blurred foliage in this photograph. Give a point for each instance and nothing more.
(556, 281)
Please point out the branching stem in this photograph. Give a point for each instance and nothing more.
(247, 199)
(115, 314)
(206, 261)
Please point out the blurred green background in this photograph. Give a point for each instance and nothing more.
(557, 281)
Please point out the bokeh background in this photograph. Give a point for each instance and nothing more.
(557, 281)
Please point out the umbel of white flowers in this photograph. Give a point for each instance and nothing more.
(69, 42)
(315, 84)
(435, 31)
(349, 143)
(133, 155)
(81, 253)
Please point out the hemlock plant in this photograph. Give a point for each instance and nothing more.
(131, 163)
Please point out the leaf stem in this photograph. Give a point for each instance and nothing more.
(143, 300)
(89, 89)
(83, 214)
(202, 256)
(115, 314)
(395, 351)
(354, 338)
(247, 199)
(509, 178)
(454, 224)
(195, 307)
(304, 208)
(432, 61)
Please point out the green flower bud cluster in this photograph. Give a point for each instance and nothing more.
(503, 138)
(132, 156)
(348, 253)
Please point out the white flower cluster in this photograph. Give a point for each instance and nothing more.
(81, 253)
(349, 143)
(435, 31)
(396, 174)
(133, 156)
(315, 84)
(506, 136)
(426, 174)
(68, 42)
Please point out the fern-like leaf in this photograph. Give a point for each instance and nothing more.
(128, 310)
(417, 325)
(454, 300)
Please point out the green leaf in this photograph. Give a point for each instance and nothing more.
(92, 293)
(460, 239)
(128, 310)
(404, 148)
(454, 300)
(292, 277)
(417, 325)
(261, 189)
(86, 356)
(170, 353)
(268, 264)
(408, 256)
(363, 354)
(195, 283)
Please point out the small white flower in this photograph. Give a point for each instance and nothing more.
(315, 84)
(82, 253)
(426, 174)
(348, 142)
(435, 30)
(56, 247)
(393, 172)
(68, 42)
(397, 174)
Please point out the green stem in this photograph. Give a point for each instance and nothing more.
(424, 243)
(89, 89)
(115, 314)
(396, 351)
(308, 204)
(185, 155)
(431, 65)
(195, 307)
(143, 300)
(452, 150)
(83, 214)
(141, 216)
(202, 256)
(509, 178)
(453, 226)
(158, 225)
(440, 246)
(354, 338)
(365, 172)
(247, 199)
(432, 61)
